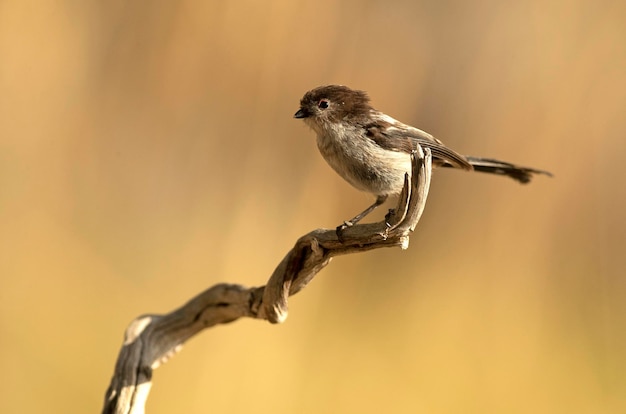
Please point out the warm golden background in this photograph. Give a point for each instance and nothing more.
(148, 151)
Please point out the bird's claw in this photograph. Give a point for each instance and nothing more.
(388, 217)
(341, 228)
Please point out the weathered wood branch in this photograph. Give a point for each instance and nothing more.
(151, 339)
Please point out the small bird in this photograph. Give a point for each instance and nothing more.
(372, 151)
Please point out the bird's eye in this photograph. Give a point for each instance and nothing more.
(323, 104)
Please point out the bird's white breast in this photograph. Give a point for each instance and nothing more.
(362, 162)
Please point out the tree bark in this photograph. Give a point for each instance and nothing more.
(151, 340)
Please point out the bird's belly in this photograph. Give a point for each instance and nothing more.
(369, 167)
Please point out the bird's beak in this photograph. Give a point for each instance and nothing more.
(302, 113)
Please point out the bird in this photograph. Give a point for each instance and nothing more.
(372, 151)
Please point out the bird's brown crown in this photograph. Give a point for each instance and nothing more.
(335, 102)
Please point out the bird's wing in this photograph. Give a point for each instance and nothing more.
(396, 136)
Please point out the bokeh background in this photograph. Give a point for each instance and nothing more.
(148, 151)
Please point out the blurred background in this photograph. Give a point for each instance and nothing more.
(148, 151)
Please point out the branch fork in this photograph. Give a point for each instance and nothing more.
(151, 340)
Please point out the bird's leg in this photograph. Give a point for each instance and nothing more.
(379, 200)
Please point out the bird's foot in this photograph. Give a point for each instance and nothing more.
(388, 226)
(340, 229)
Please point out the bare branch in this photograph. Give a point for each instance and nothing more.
(151, 339)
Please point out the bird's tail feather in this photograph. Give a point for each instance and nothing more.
(516, 172)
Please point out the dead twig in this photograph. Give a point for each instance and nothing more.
(151, 339)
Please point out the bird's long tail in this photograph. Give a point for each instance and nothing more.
(516, 172)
